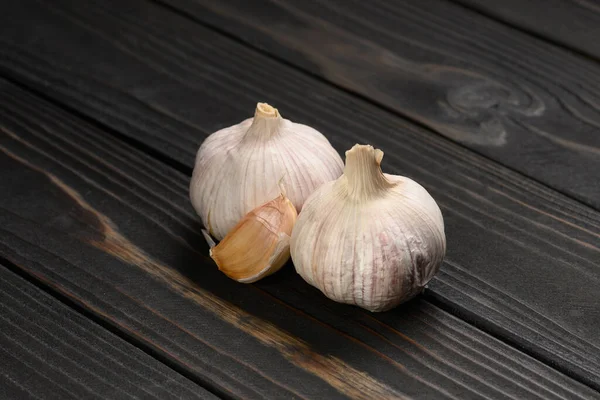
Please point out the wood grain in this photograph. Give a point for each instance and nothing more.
(571, 23)
(517, 251)
(49, 351)
(113, 230)
(519, 101)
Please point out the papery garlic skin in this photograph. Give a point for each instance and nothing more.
(368, 238)
(258, 245)
(240, 167)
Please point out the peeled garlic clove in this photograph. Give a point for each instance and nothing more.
(259, 244)
(368, 238)
(237, 168)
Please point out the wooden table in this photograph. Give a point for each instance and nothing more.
(106, 287)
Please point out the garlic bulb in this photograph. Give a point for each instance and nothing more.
(368, 238)
(238, 168)
(259, 245)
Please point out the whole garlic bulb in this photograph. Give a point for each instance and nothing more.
(368, 238)
(239, 168)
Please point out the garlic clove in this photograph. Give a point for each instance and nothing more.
(237, 168)
(259, 245)
(368, 238)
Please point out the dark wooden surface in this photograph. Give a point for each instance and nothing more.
(50, 351)
(512, 242)
(516, 99)
(115, 234)
(574, 24)
(111, 99)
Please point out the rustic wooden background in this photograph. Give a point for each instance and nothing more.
(106, 287)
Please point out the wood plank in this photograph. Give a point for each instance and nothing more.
(113, 230)
(50, 351)
(518, 100)
(517, 252)
(571, 23)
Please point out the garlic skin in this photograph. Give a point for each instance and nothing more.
(239, 168)
(368, 238)
(259, 245)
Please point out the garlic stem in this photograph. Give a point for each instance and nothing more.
(363, 173)
(267, 123)
(265, 110)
